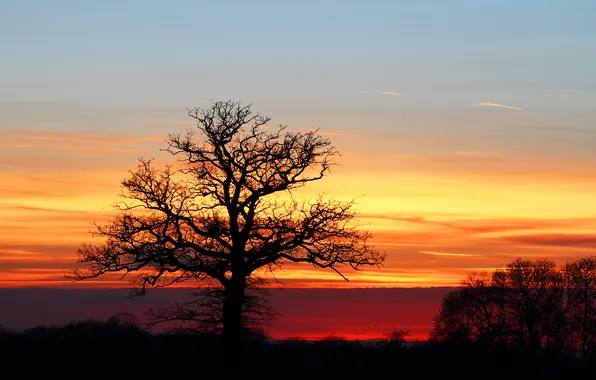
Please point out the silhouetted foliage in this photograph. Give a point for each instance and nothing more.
(395, 338)
(532, 306)
(333, 339)
(228, 211)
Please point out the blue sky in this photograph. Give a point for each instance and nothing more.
(436, 53)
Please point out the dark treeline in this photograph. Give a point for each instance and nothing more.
(530, 306)
(122, 349)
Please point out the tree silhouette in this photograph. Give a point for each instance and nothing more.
(525, 305)
(473, 312)
(394, 339)
(228, 211)
(581, 282)
(533, 294)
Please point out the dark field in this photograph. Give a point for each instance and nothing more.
(91, 349)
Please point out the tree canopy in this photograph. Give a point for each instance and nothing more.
(226, 209)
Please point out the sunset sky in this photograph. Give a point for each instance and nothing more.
(467, 128)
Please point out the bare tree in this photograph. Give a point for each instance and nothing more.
(523, 305)
(580, 276)
(202, 311)
(473, 312)
(448, 324)
(228, 211)
(533, 293)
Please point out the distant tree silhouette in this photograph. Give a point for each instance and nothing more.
(89, 329)
(124, 319)
(202, 311)
(581, 281)
(227, 212)
(395, 338)
(333, 340)
(473, 312)
(525, 305)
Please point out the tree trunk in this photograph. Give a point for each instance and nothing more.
(232, 321)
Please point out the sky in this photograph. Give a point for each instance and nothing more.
(466, 128)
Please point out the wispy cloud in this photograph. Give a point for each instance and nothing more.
(554, 239)
(391, 93)
(498, 106)
(435, 253)
(74, 137)
(75, 141)
(496, 226)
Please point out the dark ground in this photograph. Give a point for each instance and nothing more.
(86, 350)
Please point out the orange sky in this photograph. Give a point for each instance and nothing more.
(437, 208)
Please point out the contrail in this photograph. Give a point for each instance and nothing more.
(394, 93)
(498, 105)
